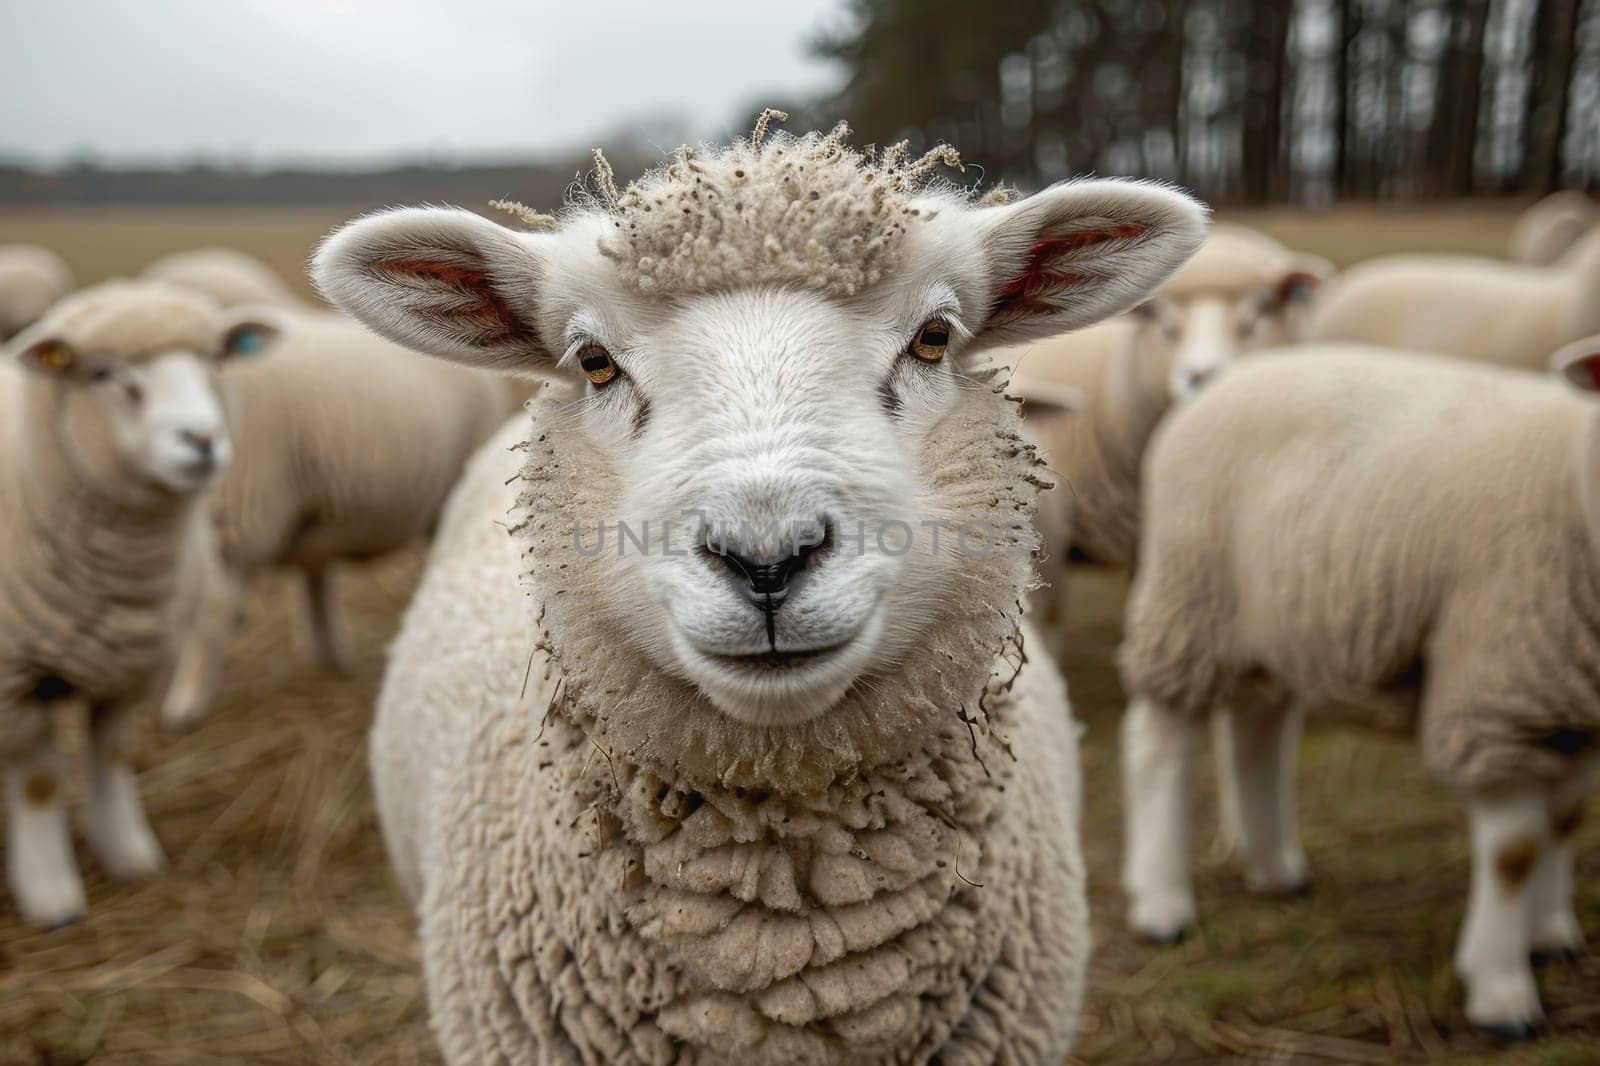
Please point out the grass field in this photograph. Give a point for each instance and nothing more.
(278, 936)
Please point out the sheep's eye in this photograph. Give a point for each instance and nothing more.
(597, 364)
(931, 340)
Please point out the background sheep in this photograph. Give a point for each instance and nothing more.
(347, 447)
(725, 778)
(228, 276)
(31, 279)
(1389, 529)
(1486, 310)
(112, 427)
(1550, 227)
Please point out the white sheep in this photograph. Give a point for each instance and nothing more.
(227, 275)
(736, 795)
(1485, 310)
(111, 425)
(1400, 531)
(1545, 231)
(347, 446)
(31, 279)
(1242, 291)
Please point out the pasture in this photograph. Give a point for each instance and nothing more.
(279, 935)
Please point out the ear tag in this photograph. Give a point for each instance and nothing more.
(54, 355)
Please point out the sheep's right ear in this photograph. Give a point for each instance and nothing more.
(441, 281)
(1579, 363)
(49, 355)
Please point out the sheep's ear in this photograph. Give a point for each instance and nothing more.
(441, 281)
(51, 356)
(247, 335)
(1302, 280)
(1082, 251)
(1579, 363)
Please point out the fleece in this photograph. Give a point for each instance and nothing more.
(1403, 532)
(607, 869)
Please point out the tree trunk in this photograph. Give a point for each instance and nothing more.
(1266, 44)
(1555, 31)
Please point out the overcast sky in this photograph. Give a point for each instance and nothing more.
(358, 80)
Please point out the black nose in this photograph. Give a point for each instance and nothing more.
(204, 443)
(767, 574)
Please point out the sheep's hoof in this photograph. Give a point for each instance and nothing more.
(1562, 956)
(1521, 1029)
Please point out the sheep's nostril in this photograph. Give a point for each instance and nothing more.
(204, 443)
(767, 578)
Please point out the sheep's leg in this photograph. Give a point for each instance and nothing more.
(1509, 835)
(326, 650)
(1230, 827)
(40, 866)
(114, 819)
(1554, 930)
(1157, 778)
(1264, 743)
(197, 674)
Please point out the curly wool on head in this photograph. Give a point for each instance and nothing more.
(808, 211)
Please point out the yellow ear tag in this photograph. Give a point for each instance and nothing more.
(55, 355)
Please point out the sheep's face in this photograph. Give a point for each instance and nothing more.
(773, 533)
(155, 416)
(1240, 293)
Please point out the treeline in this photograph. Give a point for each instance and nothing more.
(1247, 101)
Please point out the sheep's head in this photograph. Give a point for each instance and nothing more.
(777, 345)
(129, 370)
(1242, 291)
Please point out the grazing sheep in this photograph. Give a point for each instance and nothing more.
(230, 277)
(347, 447)
(1550, 227)
(1392, 530)
(1485, 310)
(737, 795)
(31, 279)
(111, 425)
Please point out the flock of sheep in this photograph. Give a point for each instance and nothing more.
(757, 789)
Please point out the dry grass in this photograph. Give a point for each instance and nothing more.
(279, 935)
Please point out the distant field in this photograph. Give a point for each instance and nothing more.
(279, 936)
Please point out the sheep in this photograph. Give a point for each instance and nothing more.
(736, 792)
(1550, 227)
(1242, 291)
(1485, 310)
(228, 276)
(1406, 533)
(31, 279)
(347, 446)
(111, 428)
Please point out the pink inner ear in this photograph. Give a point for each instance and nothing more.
(1043, 272)
(481, 312)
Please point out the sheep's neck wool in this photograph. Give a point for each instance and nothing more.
(95, 570)
(846, 890)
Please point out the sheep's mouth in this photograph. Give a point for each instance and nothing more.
(776, 661)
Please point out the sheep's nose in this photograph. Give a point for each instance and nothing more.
(203, 442)
(765, 575)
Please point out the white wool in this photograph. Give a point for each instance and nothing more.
(31, 279)
(1548, 229)
(230, 277)
(1485, 310)
(347, 447)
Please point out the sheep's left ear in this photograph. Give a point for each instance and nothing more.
(248, 335)
(1082, 251)
(1579, 363)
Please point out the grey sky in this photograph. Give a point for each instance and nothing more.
(365, 79)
